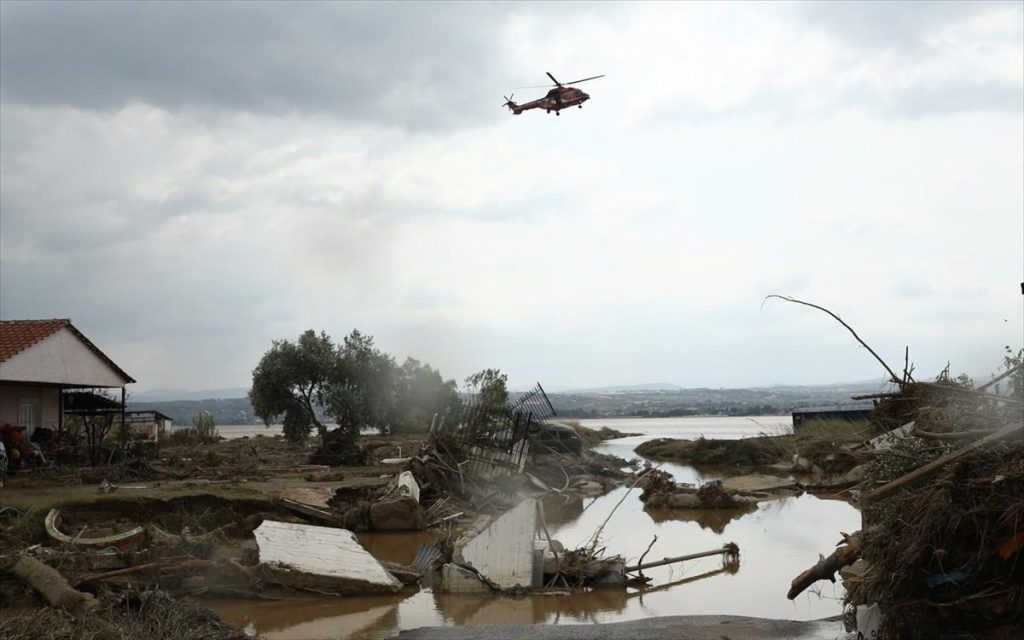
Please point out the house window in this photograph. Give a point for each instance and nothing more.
(29, 414)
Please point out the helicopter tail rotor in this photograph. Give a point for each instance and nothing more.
(513, 107)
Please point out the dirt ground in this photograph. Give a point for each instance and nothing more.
(199, 503)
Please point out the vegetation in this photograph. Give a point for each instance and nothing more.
(205, 426)
(490, 387)
(763, 450)
(292, 379)
(421, 392)
(354, 384)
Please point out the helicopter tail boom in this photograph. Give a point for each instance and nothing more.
(512, 106)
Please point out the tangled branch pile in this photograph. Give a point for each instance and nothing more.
(947, 557)
(944, 556)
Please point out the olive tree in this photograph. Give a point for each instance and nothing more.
(490, 387)
(420, 393)
(292, 380)
(362, 393)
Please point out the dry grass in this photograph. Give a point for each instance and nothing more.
(146, 614)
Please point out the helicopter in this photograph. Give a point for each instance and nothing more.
(561, 97)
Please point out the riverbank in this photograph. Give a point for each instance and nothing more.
(660, 628)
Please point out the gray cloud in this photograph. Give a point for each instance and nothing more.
(878, 26)
(416, 66)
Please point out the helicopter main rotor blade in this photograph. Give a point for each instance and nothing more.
(553, 78)
(585, 79)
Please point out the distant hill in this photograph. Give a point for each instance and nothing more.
(651, 386)
(160, 395)
(231, 406)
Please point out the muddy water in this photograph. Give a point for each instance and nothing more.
(778, 539)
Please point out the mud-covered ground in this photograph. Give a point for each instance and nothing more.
(198, 503)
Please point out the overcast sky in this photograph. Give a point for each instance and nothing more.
(188, 182)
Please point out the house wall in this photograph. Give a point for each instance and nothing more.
(60, 358)
(48, 398)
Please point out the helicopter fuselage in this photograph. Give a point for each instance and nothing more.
(557, 99)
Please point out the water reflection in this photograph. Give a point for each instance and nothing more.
(778, 539)
(715, 520)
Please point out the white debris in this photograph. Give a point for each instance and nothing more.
(407, 486)
(504, 551)
(889, 438)
(320, 558)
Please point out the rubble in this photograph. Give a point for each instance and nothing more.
(661, 492)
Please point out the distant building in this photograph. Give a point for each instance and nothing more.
(149, 425)
(851, 413)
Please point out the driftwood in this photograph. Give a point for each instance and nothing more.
(1009, 372)
(826, 567)
(935, 465)
(53, 586)
(952, 435)
(971, 392)
(324, 517)
(164, 565)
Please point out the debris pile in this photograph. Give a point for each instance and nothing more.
(660, 491)
(941, 550)
(949, 555)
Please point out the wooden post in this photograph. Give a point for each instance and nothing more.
(729, 549)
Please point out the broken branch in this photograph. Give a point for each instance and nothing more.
(892, 375)
(826, 567)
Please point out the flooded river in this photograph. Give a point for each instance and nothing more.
(777, 539)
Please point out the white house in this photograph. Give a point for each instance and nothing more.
(39, 359)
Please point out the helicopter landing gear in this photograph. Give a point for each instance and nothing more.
(579, 106)
(558, 113)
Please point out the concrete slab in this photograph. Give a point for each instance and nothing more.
(319, 558)
(503, 552)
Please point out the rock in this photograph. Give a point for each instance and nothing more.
(401, 514)
(857, 474)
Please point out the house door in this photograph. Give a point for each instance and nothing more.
(30, 415)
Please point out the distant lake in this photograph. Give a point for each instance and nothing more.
(689, 427)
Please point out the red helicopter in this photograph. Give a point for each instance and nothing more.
(561, 97)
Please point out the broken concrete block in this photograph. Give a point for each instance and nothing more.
(503, 552)
(456, 579)
(408, 487)
(403, 514)
(320, 559)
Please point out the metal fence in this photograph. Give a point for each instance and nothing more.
(496, 437)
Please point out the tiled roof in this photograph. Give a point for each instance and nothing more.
(18, 335)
